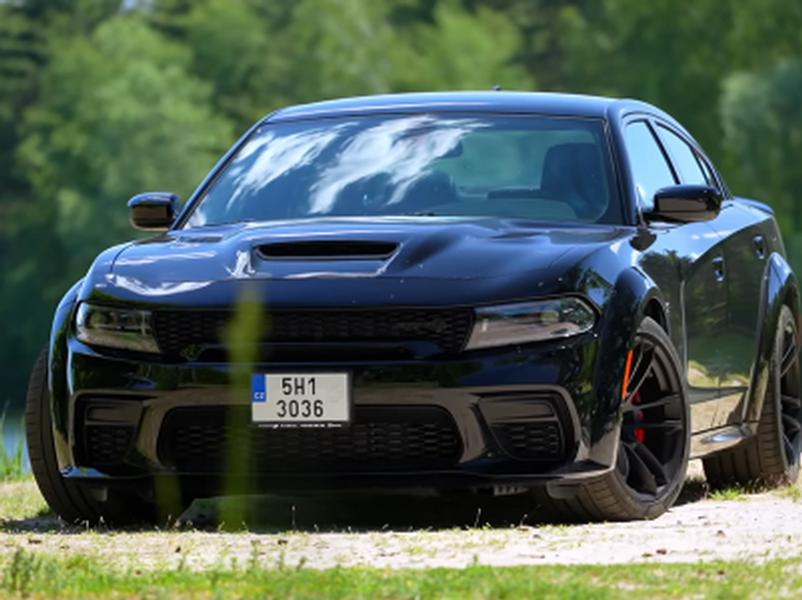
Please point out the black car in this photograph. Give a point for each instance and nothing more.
(501, 292)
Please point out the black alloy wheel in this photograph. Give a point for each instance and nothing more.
(789, 397)
(654, 426)
(771, 456)
(654, 442)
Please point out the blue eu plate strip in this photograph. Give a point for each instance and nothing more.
(258, 388)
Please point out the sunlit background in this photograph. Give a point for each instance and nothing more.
(101, 99)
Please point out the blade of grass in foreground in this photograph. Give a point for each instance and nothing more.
(243, 337)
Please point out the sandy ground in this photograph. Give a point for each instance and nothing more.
(418, 533)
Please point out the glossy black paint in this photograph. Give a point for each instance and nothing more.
(716, 286)
(687, 203)
(154, 211)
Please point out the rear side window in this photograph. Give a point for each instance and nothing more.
(649, 166)
(684, 157)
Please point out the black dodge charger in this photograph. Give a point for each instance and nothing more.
(482, 292)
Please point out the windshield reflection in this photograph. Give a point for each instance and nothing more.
(502, 166)
(389, 148)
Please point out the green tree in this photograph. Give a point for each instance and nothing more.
(232, 45)
(333, 48)
(115, 113)
(461, 49)
(118, 114)
(762, 118)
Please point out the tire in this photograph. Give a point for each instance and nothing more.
(73, 501)
(614, 496)
(771, 456)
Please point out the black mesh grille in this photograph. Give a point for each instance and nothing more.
(106, 444)
(448, 328)
(531, 440)
(206, 440)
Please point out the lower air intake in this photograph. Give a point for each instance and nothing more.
(210, 439)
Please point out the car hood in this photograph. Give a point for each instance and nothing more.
(445, 250)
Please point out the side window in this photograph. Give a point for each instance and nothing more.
(711, 179)
(684, 158)
(649, 166)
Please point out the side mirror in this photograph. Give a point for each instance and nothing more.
(153, 211)
(685, 204)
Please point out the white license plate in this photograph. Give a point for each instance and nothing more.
(298, 399)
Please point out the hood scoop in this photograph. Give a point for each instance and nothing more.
(327, 250)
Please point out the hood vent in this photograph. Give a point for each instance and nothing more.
(328, 250)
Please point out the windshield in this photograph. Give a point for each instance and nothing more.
(528, 167)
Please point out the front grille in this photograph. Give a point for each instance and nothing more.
(211, 439)
(531, 440)
(106, 445)
(176, 330)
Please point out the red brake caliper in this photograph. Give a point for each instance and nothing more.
(640, 432)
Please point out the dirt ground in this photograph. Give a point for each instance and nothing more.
(421, 532)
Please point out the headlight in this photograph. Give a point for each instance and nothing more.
(125, 328)
(530, 322)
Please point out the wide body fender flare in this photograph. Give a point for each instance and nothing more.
(634, 296)
(779, 286)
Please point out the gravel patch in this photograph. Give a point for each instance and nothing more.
(425, 533)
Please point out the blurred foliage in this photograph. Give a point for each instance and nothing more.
(101, 99)
(83, 145)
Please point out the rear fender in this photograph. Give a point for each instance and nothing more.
(779, 287)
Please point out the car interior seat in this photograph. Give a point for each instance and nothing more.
(573, 174)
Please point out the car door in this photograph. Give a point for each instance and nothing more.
(742, 268)
(692, 249)
(746, 253)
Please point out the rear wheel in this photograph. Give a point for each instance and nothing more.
(653, 449)
(771, 457)
(73, 501)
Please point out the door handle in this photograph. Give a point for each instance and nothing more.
(760, 246)
(718, 268)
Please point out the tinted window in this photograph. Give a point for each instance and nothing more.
(711, 179)
(649, 166)
(538, 168)
(684, 158)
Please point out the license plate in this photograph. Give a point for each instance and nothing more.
(299, 399)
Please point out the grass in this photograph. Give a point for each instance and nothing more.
(32, 575)
(740, 493)
(792, 492)
(13, 465)
(30, 567)
(36, 564)
(730, 493)
(21, 500)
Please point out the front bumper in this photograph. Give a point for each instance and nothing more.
(511, 416)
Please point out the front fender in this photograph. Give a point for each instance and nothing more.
(57, 371)
(634, 291)
(779, 286)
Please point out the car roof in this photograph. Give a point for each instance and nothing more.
(488, 101)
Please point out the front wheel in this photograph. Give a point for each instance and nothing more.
(74, 501)
(654, 440)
